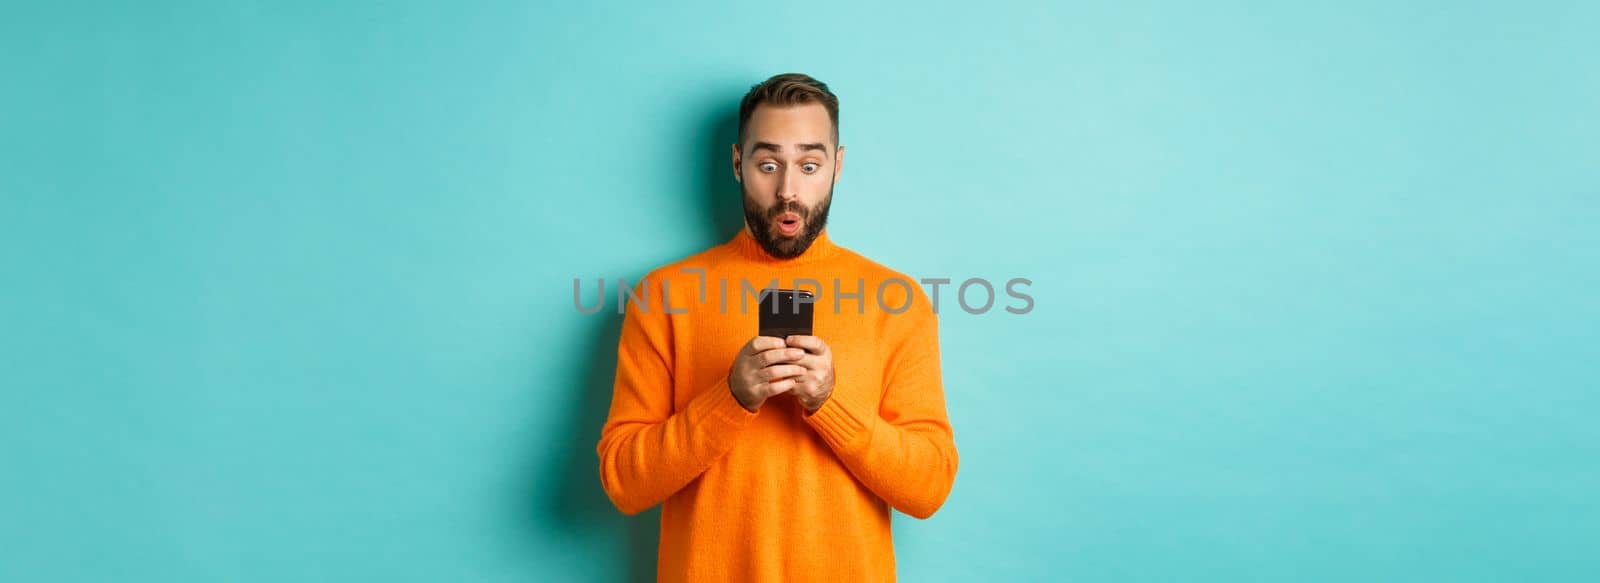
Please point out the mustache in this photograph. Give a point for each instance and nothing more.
(785, 207)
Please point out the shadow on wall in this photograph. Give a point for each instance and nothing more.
(578, 503)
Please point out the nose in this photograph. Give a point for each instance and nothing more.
(788, 187)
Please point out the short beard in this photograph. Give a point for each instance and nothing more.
(785, 247)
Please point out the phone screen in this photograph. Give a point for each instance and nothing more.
(786, 312)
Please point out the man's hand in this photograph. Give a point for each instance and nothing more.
(815, 384)
(764, 367)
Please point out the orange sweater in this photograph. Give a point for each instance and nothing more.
(780, 494)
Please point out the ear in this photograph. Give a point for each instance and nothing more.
(838, 163)
(738, 175)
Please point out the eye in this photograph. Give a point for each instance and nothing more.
(768, 167)
(809, 167)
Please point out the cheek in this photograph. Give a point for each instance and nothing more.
(817, 186)
(756, 176)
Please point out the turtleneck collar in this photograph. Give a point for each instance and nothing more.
(745, 246)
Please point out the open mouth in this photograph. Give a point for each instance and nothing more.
(788, 224)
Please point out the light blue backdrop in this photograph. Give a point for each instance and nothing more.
(287, 287)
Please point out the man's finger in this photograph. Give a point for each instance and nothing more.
(777, 355)
(811, 344)
(783, 371)
(813, 361)
(762, 344)
(776, 387)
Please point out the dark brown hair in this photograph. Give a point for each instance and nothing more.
(789, 89)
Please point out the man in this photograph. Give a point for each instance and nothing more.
(778, 459)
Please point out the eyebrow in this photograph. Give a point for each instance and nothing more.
(779, 149)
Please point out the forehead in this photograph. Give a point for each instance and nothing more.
(787, 125)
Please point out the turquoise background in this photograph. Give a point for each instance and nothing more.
(287, 286)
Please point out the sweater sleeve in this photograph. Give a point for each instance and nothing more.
(903, 448)
(648, 451)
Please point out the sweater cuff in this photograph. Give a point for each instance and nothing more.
(843, 423)
(716, 414)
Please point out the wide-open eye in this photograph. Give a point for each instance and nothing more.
(810, 167)
(768, 167)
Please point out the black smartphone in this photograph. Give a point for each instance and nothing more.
(786, 312)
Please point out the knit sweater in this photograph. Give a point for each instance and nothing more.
(780, 494)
